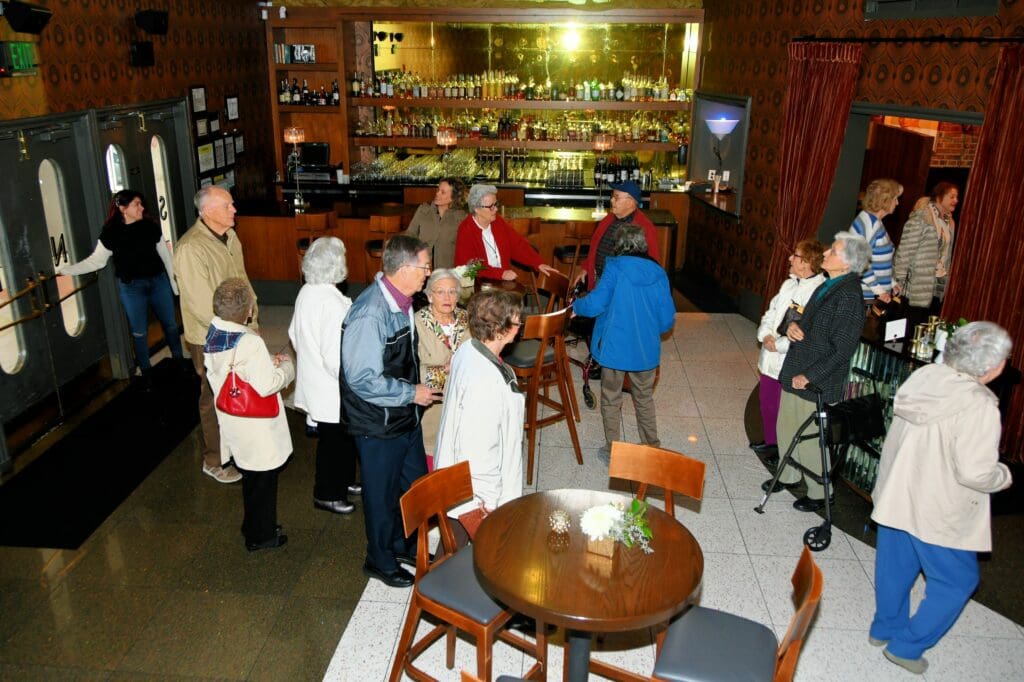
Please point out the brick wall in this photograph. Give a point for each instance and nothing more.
(955, 145)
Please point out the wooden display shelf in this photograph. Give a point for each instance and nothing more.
(302, 109)
(542, 105)
(549, 145)
(298, 66)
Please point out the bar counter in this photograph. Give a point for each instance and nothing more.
(270, 232)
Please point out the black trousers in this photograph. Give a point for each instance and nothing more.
(389, 466)
(335, 463)
(259, 499)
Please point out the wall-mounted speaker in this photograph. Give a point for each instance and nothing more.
(142, 53)
(25, 18)
(152, 21)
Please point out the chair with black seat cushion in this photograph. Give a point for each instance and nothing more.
(548, 365)
(446, 587)
(706, 644)
(579, 233)
(381, 228)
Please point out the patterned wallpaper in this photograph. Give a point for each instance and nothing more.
(84, 56)
(745, 54)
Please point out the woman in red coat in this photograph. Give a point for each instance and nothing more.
(484, 235)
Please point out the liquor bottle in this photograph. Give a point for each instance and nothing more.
(304, 95)
(321, 100)
(284, 96)
(335, 94)
(620, 92)
(357, 85)
(296, 92)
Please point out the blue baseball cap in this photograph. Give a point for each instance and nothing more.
(630, 188)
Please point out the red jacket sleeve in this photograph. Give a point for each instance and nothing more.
(513, 246)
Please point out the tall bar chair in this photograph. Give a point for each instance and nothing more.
(386, 226)
(446, 586)
(548, 365)
(579, 233)
(309, 227)
(527, 227)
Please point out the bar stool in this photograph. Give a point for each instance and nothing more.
(580, 232)
(386, 226)
(527, 227)
(310, 227)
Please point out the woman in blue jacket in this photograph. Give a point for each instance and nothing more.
(633, 306)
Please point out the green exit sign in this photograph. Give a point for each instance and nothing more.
(17, 58)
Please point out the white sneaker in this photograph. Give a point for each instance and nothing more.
(228, 474)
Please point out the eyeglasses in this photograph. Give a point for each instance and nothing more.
(420, 267)
(445, 292)
(495, 206)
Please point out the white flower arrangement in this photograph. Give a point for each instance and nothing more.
(614, 521)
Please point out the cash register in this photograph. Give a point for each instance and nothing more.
(314, 163)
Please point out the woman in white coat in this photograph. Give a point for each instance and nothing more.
(315, 333)
(259, 446)
(804, 277)
(482, 418)
(940, 463)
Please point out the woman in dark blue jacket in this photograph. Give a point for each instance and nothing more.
(633, 306)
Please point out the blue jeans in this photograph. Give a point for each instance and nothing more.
(951, 577)
(136, 297)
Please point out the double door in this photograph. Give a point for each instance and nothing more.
(62, 337)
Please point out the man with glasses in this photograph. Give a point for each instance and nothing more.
(484, 235)
(381, 403)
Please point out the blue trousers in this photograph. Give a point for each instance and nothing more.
(951, 575)
(389, 466)
(136, 297)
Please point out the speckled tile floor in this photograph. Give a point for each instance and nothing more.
(165, 590)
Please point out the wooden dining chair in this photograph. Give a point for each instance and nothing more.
(446, 587)
(671, 471)
(707, 644)
(548, 365)
(579, 233)
(381, 228)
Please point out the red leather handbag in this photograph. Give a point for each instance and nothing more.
(238, 398)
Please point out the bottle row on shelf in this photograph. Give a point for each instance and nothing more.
(296, 95)
(499, 85)
(553, 126)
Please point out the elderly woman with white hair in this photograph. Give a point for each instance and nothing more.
(315, 333)
(940, 463)
(821, 345)
(441, 327)
(484, 235)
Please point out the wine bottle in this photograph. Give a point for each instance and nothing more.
(296, 92)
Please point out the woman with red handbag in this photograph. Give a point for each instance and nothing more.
(247, 381)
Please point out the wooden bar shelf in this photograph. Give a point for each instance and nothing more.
(544, 105)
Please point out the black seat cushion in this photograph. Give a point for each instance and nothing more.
(567, 252)
(453, 584)
(523, 354)
(705, 645)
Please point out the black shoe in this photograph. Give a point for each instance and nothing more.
(334, 506)
(765, 449)
(355, 489)
(409, 559)
(396, 578)
(806, 504)
(779, 486)
(276, 541)
(757, 444)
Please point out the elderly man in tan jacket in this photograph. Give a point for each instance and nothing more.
(940, 463)
(208, 254)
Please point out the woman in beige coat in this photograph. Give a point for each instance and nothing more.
(441, 328)
(921, 264)
(258, 445)
(940, 463)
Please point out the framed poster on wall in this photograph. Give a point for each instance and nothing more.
(197, 96)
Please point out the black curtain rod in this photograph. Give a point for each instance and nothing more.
(910, 39)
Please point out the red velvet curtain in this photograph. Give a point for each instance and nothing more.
(822, 79)
(985, 277)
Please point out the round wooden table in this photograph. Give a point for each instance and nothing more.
(552, 577)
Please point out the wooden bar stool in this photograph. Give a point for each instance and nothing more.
(580, 232)
(309, 227)
(386, 226)
(548, 365)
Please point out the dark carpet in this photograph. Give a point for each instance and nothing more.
(1000, 589)
(62, 497)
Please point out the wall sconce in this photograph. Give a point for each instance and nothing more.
(25, 18)
(294, 136)
(720, 127)
(601, 143)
